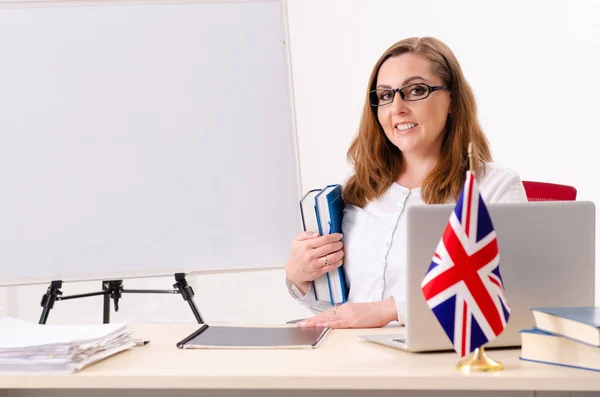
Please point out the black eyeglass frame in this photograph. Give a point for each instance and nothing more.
(430, 89)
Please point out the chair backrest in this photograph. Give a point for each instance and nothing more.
(543, 191)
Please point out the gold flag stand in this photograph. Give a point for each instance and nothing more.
(479, 361)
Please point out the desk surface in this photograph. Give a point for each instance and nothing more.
(342, 361)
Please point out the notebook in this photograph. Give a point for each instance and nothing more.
(224, 337)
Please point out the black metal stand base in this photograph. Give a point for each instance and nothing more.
(114, 290)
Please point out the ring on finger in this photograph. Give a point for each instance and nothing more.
(325, 260)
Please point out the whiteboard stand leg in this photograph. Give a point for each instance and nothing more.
(52, 294)
(55, 294)
(105, 304)
(113, 289)
(187, 293)
(180, 287)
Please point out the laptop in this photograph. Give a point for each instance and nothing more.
(546, 259)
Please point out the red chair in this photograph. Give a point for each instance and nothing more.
(542, 191)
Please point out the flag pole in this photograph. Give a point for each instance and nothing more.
(479, 361)
(470, 152)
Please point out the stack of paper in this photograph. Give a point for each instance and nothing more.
(29, 347)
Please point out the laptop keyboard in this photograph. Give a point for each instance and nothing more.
(400, 338)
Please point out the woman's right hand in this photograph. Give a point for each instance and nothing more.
(313, 255)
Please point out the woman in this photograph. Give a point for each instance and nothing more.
(411, 149)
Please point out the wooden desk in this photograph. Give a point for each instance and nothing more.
(342, 362)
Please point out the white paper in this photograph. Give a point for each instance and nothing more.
(29, 347)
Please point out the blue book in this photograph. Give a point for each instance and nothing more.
(329, 207)
(547, 348)
(580, 323)
(326, 218)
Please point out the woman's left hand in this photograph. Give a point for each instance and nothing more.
(355, 315)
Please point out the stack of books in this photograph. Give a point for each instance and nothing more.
(322, 212)
(567, 336)
(33, 348)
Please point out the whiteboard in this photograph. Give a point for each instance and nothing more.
(144, 139)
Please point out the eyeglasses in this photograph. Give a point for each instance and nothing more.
(411, 92)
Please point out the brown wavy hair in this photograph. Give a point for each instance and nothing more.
(378, 162)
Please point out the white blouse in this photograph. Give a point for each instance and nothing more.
(374, 245)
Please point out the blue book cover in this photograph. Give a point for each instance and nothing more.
(588, 315)
(535, 330)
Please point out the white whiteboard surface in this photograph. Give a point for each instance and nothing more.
(144, 140)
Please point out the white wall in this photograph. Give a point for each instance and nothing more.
(517, 56)
(533, 66)
(3, 301)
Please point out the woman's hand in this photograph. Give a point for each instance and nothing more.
(355, 315)
(313, 255)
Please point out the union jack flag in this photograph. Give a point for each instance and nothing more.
(463, 286)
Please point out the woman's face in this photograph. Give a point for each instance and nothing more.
(414, 127)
